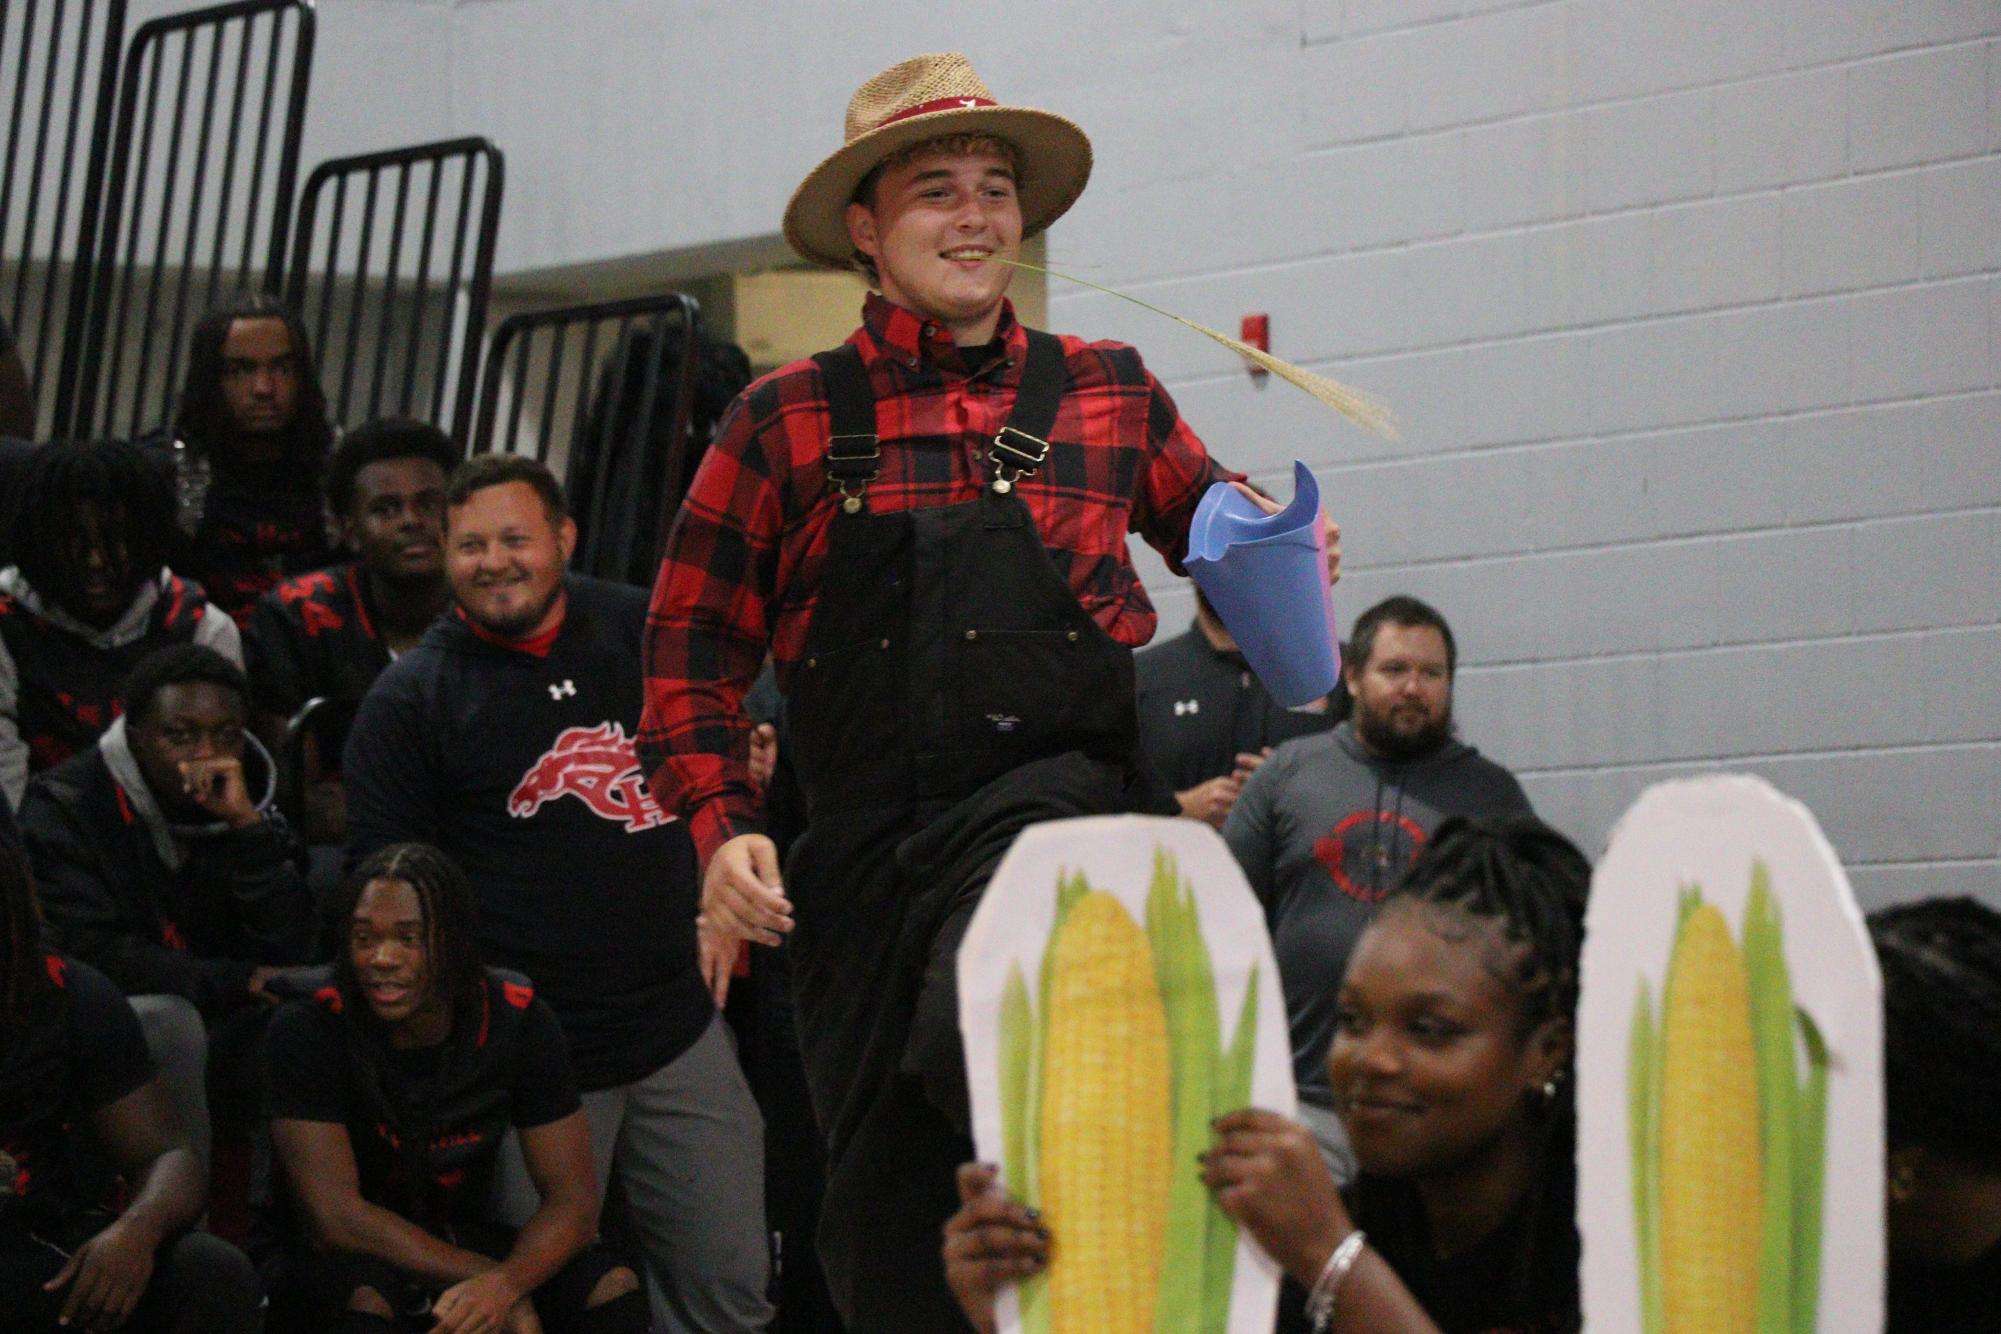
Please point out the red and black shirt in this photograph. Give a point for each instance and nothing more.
(69, 690)
(314, 635)
(438, 1112)
(743, 567)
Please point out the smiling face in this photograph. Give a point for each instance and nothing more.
(1432, 1074)
(933, 221)
(389, 945)
(396, 525)
(505, 553)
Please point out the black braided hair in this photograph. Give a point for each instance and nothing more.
(444, 895)
(1520, 873)
(1941, 963)
(110, 484)
(202, 418)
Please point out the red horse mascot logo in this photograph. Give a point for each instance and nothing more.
(598, 767)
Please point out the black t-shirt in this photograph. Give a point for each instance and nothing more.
(1200, 708)
(505, 1065)
(79, 1050)
(1520, 1280)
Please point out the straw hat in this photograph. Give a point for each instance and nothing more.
(927, 97)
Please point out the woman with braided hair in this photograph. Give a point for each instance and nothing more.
(1451, 1071)
(1941, 962)
(392, 1083)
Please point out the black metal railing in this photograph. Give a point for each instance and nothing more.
(198, 203)
(59, 70)
(391, 269)
(604, 393)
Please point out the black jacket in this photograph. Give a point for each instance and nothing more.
(158, 907)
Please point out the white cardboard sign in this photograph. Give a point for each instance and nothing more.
(1730, 1106)
(1102, 944)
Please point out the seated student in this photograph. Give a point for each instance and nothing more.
(330, 633)
(391, 1087)
(1941, 962)
(71, 1059)
(88, 596)
(162, 863)
(246, 450)
(1451, 1069)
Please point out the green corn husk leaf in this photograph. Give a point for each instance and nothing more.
(1772, 1042)
(1232, 1094)
(1017, 1053)
(1356, 406)
(1643, 1121)
(1809, 1176)
(1188, 991)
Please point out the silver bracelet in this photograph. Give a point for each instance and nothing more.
(1320, 1301)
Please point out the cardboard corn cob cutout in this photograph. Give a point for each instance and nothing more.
(1729, 1051)
(1117, 991)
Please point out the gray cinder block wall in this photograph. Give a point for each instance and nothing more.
(1691, 311)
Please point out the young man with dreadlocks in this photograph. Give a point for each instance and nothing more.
(74, 1072)
(246, 450)
(89, 595)
(393, 1080)
(1941, 962)
(1451, 1067)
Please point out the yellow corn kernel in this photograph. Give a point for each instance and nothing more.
(1711, 1185)
(1106, 1132)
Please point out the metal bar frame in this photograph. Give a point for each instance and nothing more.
(79, 45)
(611, 515)
(474, 228)
(91, 398)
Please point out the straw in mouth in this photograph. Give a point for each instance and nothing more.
(1366, 412)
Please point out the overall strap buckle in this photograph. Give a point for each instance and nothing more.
(853, 461)
(1022, 445)
(854, 456)
(1012, 461)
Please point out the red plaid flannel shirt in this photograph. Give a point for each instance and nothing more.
(743, 565)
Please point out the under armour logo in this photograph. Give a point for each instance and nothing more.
(1187, 706)
(568, 687)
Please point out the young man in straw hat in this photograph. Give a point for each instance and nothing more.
(926, 529)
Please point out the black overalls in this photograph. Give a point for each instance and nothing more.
(952, 690)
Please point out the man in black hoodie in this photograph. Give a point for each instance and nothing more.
(163, 864)
(505, 739)
(1331, 822)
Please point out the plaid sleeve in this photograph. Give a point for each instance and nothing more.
(706, 632)
(1175, 475)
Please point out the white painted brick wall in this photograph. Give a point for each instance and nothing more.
(1690, 309)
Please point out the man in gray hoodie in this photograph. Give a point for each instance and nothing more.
(162, 862)
(1331, 821)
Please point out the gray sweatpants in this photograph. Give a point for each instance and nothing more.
(687, 1143)
(177, 1040)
